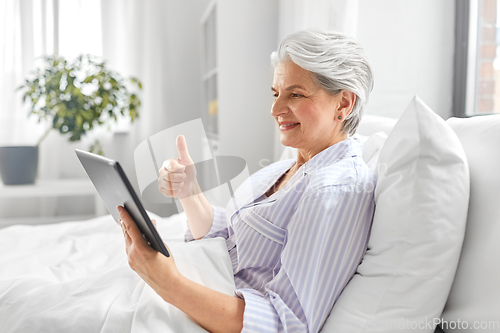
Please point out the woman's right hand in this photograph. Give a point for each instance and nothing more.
(178, 176)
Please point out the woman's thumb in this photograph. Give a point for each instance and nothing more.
(184, 157)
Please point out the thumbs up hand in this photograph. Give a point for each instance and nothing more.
(178, 176)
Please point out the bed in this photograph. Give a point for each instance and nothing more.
(74, 276)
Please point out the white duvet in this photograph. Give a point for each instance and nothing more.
(74, 277)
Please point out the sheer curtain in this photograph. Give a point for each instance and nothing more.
(26, 32)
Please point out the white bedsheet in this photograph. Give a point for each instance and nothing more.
(74, 277)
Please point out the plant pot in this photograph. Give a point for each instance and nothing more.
(18, 164)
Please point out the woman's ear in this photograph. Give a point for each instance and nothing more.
(346, 103)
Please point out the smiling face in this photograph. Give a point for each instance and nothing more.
(307, 115)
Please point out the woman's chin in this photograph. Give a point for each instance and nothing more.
(288, 143)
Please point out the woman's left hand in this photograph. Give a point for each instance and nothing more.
(213, 310)
(153, 267)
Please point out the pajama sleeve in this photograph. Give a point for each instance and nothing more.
(219, 226)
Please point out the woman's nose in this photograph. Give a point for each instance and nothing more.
(279, 107)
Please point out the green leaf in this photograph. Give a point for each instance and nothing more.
(79, 120)
(96, 148)
(89, 79)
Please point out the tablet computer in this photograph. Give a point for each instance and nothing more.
(115, 190)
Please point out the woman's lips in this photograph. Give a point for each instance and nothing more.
(289, 126)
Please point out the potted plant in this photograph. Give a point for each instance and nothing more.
(75, 97)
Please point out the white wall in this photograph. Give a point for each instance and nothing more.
(247, 36)
(411, 46)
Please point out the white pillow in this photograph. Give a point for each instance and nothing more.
(371, 150)
(421, 206)
(475, 295)
(371, 124)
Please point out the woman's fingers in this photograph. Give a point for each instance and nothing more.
(168, 192)
(177, 178)
(137, 249)
(171, 186)
(128, 240)
(172, 177)
(172, 166)
(130, 230)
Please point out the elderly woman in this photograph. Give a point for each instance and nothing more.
(302, 226)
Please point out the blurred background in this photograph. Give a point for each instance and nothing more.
(211, 60)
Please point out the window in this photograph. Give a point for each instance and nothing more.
(477, 67)
(29, 30)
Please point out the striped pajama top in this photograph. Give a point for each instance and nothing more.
(294, 252)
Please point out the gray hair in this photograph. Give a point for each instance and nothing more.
(336, 61)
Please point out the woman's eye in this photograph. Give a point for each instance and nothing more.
(275, 95)
(296, 95)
